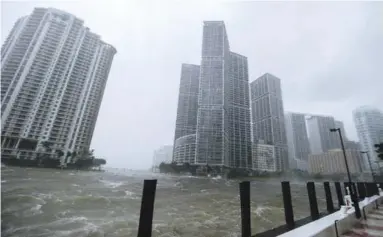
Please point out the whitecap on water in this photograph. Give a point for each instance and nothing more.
(3, 181)
(260, 210)
(111, 184)
(217, 177)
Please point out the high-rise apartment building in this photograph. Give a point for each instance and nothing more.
(297, 140)
(53, 76)
(369, 126)
(239, 120)
(212, 120)
(268, 116)
(186, 122)
(218, 125)
(320, 138)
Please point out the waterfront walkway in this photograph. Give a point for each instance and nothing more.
(372, 227)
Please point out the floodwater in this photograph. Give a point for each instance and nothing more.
(46, 202)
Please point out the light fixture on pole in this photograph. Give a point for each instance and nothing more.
(353, 194)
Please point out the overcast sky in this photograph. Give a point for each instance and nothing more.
(329, 56)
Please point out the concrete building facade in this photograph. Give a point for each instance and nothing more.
(54, 72)
(332, 162)
(268, 117)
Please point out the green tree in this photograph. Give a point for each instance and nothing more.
(74, 156)
(68, 154)
(379, 150)
(59, 153)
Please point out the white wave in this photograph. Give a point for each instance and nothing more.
(111, 184)
(131, 195)
(33, 211)
(217, 177)
(260, 210)
(75, 185)
(71, 174)
(3, 181)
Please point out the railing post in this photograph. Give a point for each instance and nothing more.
(355, 190)
(345, 184)
(147, 206)
(338, 189)
(288, 206)
(313, 201)
(329, 203)
(361, 190)
(368, 188)
(376, 189)
(244, 193)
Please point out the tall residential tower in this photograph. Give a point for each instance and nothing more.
(53, 76)
(268, 117)
(369, 127)
(186, 121)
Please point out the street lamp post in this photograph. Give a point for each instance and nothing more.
(369, 162)
(353, 196)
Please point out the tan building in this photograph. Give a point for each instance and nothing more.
(332, 162)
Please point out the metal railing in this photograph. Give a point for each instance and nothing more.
(363, 190)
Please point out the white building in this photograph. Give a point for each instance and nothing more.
(369, 126)
(264, 158)
(53, 76)
(162, 154)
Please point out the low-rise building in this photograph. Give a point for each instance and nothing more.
(332, 162)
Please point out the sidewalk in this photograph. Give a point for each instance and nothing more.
(372, 227)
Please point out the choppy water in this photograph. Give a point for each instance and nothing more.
(44, 202)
